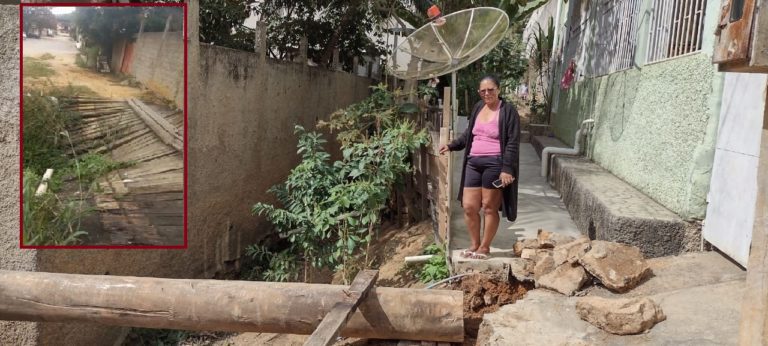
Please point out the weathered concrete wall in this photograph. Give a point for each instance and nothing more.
(655, 124)
(158, 63)
(11, 257)
(242, 140)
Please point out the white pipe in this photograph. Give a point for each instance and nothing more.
(576, 150)
(43, 187)
(418, 259)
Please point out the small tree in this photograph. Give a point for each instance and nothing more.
(38, 18)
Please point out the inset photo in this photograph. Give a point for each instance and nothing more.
(103, 126)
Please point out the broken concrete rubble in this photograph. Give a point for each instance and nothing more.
(571, 252)
(520, 245)
(548, 240)
(621, 316)
(545, 263)
(566, 279)
(619, 267)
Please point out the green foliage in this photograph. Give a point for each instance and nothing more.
(330, 211)
(436, 268)
(345, 25)
(221, 23)
(38, 18)
(34, 68)
(542, 43)
(87, 168)
(45, 123)
(102, 26)
(506, 61)
(47, 219)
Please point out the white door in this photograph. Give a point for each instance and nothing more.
(733, 188)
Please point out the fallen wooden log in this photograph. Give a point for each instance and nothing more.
(216, 305)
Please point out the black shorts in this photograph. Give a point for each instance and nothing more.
(482, 171)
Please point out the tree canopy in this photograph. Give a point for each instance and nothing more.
(38, 17)
(101, 26)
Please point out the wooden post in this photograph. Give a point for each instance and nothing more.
(753, 329)
(237, 306)
(329, 328)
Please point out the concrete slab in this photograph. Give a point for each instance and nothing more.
(539, 206)
(607, 208)
(541, 142)
(700, 293)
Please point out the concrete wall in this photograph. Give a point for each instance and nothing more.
(11, 257)
(655, 124)
(158, 63)
(242, 139)
(241, 142)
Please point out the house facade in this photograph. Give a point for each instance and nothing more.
(663, 114)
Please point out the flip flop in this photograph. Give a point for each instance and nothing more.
(466, 253)
(480, 256)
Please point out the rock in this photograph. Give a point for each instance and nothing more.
(520, 269)
(489, 299)
(525, 244)
(529, 254)
(476, 303)
(566, 278)
(542, 318)
(619, 267)
(571, 252)
(548, 240)
(545, 263)
(620, 316)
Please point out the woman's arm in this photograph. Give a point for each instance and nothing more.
(461, 142)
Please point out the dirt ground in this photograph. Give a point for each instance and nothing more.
(68, 73)
(484, 295)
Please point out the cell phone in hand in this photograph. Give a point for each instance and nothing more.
(497, 184)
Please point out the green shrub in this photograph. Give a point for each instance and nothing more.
(436, 268)
(330, 210)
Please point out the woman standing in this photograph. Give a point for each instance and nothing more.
(491, 165)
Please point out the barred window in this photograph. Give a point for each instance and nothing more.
(676, 28)
(615, 35)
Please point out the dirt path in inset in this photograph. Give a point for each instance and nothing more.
(68, 73)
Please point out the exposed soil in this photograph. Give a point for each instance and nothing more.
(68, 73)
(482, 295)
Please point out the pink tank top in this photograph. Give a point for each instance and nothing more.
(486, 137)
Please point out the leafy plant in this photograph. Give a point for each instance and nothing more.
(436, 268)
(542, 43)
(331, 211)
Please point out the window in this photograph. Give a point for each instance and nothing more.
(615, 36)
(676, 28)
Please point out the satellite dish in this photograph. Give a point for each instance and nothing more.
(449, 43)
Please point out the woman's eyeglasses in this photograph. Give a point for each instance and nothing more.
(486, 91)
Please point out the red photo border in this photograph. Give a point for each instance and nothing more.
(21, 127)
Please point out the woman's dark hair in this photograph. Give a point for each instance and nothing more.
(491, 78)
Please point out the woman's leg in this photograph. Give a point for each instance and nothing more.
(471, 202)
(491, 199)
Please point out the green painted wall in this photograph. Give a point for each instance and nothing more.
(655, 124)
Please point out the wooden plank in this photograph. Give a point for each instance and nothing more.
(337, 318)
(227, 305)
(168, 133)
(733, 40)
(753, 328)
